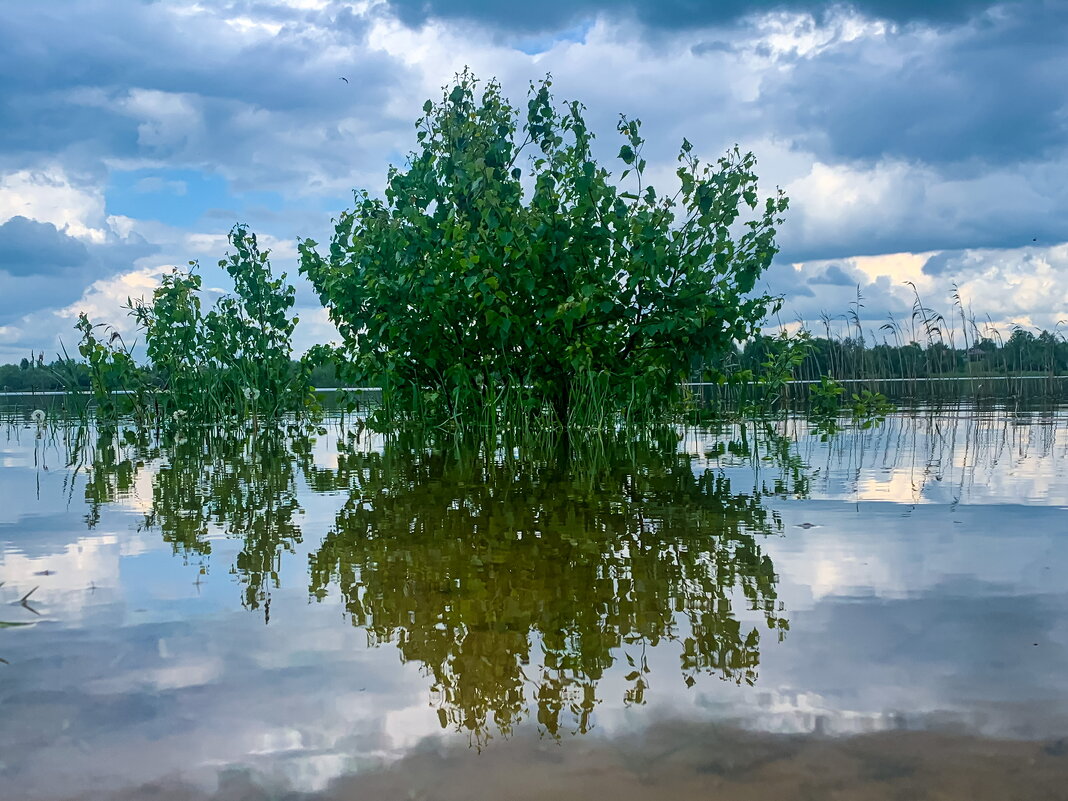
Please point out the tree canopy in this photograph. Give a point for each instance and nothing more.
(507, 272)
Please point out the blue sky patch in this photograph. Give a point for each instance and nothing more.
(179, 197)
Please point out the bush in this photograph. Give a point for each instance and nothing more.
(232, 360)
(477, 291)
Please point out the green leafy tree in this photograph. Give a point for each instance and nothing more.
(249, 333)
(234, 359)
(174, 338)
(506, 270)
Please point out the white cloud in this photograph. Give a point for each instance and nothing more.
(106, 300)
(49, 195)
(167, 119)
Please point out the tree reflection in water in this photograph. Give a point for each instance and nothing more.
(516, 582)
(238, 483)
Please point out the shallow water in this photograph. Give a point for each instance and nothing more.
(739, 614)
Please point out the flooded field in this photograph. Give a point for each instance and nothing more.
(746, 613)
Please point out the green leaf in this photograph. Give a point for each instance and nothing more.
(425, 285)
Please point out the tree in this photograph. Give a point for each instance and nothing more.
(235, 357)
(483, 284)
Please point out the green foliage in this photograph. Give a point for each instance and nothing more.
(232, 360)
(506, 274)
(870, 407)
(762, 389)
(51, 377)
(825, 406)
(248, 334)
(111, 367)
(825, 398)
(174, 339)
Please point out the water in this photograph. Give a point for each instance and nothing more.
(740, 613)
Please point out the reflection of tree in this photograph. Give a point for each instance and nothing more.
(515, 582)
(241, 481)
(468, 564)
(115, 459)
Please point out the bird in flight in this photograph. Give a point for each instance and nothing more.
(343, 78)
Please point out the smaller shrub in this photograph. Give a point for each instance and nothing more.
(233, 360)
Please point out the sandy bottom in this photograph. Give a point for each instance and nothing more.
(687, 761)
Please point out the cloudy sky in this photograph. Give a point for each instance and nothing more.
(918, 141)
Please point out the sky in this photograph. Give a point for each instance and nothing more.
(921, 144)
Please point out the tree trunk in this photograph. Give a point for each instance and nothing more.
(561, 401)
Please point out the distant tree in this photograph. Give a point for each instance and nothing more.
(24, 364)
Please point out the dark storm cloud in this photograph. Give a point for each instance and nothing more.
(28, 247)
(669, 14)
(782, 280)
(834, 275)
(968, 126)
(830, 291)
(42, 267)
(939, 264)
(133, 80)
(985, 92)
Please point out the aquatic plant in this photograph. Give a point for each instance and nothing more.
(507, 275)
(870, 407)
(825, 398)
(117, 382)
(233, 360)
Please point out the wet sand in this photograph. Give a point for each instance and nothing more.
(688, 761)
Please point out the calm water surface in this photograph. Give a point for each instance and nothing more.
(739, 613)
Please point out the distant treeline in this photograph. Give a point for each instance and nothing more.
(1022, 353)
